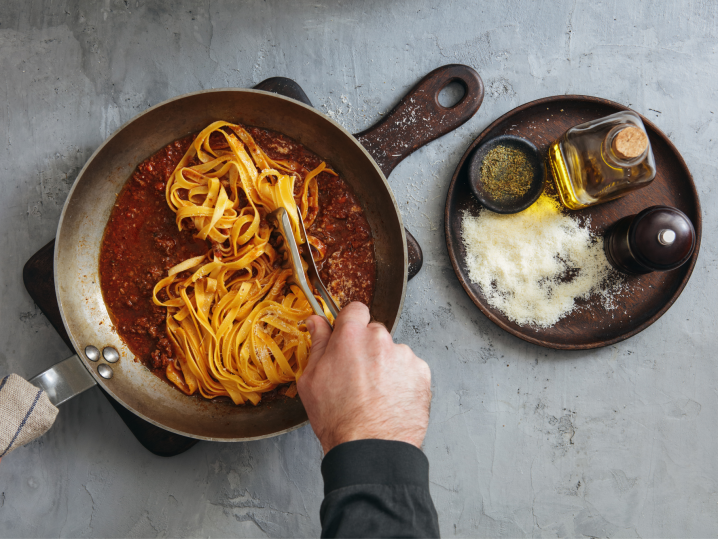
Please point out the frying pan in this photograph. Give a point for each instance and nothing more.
(363, 160)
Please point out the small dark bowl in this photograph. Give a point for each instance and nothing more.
(511, 205)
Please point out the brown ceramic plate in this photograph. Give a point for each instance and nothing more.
(646, 297)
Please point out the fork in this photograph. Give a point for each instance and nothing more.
(284, 226)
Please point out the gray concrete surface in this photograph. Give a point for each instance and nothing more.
(523, 441)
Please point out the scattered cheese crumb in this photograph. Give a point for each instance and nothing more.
(533, 265)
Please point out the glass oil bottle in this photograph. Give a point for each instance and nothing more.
(602, 160)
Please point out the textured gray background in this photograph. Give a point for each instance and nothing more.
(523, 441)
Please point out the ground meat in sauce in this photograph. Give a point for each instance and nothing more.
(349, 268)
(142, 241)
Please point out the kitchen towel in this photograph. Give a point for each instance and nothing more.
(26, 413)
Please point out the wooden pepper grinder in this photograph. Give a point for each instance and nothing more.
(659, 238)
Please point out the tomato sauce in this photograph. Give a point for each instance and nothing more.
(141, 242)
(348, 269)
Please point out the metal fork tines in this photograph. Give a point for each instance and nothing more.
(294, 260)
(314, 273)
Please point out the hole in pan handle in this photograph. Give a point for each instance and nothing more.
(451, 94)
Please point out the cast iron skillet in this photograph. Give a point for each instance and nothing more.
(362, 160)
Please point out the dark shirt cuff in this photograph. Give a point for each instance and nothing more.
(378, 462)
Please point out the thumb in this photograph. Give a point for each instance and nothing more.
(320, 333)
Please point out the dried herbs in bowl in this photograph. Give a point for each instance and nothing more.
(506, 174)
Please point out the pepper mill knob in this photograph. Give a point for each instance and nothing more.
(666, 236)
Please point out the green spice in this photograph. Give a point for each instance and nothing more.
(506, 173)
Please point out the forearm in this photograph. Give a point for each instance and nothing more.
(377, 488)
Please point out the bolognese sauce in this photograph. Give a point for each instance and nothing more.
(142, 241)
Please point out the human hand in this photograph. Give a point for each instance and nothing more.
(359, 384)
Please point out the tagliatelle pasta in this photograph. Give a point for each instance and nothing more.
(233, 316)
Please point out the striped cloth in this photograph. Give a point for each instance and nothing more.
(26, 413)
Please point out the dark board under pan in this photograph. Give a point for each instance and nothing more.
(646, 297)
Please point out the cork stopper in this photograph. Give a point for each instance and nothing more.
(629, 143)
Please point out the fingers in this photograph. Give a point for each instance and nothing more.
(377, 325)
(355, 312)
(380, 335)
(320, 332)
(424, 372)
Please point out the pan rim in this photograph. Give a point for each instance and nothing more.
(101, 381)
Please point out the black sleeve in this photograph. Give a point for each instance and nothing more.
(377, 488)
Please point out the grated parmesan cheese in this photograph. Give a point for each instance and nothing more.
(533, 265)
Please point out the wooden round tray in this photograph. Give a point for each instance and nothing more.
(646, 297)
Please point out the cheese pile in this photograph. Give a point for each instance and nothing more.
(533, 265)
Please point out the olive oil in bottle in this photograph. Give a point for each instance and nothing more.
(601, 160)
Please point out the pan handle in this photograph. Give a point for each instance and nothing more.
(284, 86)
(419, 118)
(64, 380)
(27, 413)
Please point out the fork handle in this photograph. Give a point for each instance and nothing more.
(285, 228)
(326, 296)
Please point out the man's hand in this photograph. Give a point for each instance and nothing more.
(359, 385)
